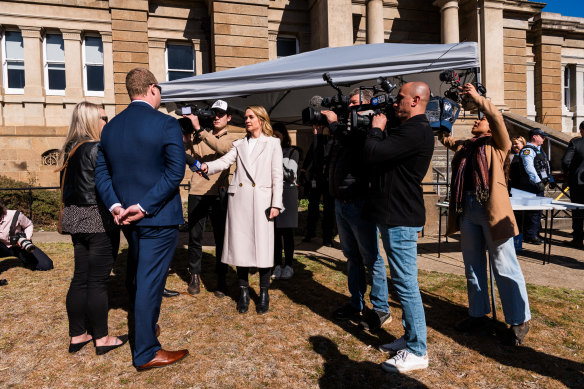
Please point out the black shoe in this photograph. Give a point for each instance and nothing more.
(328, 243)
(533, 240)
(169, 293)
(470, 323)
(3, 282)
(100, 350)
(194, 284)
(264, 302)
(74, 347)
(346, 312)
(221, 290)
(243, 303)
(518, 332)
(374, 320)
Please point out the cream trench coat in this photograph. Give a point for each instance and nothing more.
(256, 187)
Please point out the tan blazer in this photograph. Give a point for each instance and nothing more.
(255, 187)
(499, 212)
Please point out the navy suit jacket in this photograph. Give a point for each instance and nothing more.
(141, 160)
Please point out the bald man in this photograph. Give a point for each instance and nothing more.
(400, 158)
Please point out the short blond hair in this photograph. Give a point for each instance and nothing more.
(262, 114)
(138, 80)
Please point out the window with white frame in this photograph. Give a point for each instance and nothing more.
(567, 84)
(93, 77)
(13, 62)
(54, 66)
(180, 61)
(286, 45)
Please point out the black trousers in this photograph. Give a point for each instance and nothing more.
(286, 234)
(87, 300)
(532, 221)
(577, 196)
(314, 212)
(200, 209)
(243, 276)
(36, 260)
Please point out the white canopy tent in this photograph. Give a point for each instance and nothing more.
(285, 85)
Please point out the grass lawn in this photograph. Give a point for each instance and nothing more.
(294, 345)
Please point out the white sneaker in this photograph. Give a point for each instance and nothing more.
(277, 273)
(287, 273)
(405, 361)
(394, 347)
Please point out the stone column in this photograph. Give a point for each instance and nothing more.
(449, 23)
(33, 76)
(272, 45)
(73, 65)
(108, 69)
(332, 23)
(579, 103)
(530, 80)
(492, 60)
(548, 80)
(156, 55)
(198, 56)
(375, 31)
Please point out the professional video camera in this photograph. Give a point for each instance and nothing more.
(338, 103)
(382, 102)
(454, 79)
(205, 115)
(20, 239)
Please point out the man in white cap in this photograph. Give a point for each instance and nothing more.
(209, 198)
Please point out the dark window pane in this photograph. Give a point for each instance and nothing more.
(95, 78)
(180, 57)
(16, 78)
(286, 46)
(177, 75)
(56, 79)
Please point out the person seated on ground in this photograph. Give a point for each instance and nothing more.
(481, 210)
(15, 234)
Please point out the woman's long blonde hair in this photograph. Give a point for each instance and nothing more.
(262, 114)
(84, 126)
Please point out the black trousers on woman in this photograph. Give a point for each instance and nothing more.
(87, 300)
(286, 234)
(243, 274)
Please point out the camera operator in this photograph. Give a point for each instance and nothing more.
(208, 198)
(359, 237)
(401, 157)
(15, 234)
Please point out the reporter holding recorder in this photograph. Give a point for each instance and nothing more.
(481, 210)
(254, 200)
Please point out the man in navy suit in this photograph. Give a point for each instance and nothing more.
(140, 165)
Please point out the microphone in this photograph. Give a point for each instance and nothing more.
(195, 165)
(315, 102)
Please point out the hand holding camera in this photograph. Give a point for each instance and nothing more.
(19, 239)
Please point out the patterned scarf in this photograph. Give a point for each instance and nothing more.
(472, 155)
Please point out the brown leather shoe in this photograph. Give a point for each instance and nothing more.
(164, 358)
(195, 284)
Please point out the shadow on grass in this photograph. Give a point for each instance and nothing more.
(442, 314)
(342, 372)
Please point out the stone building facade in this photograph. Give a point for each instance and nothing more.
(56, 53)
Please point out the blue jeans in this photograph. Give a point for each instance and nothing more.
(401, 246)
(360, 244)
(475, 238)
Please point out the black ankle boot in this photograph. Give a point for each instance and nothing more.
(243, 303)
(264, 302)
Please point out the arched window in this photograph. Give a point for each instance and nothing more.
(50, 157)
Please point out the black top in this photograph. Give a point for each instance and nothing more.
(79, 185)
(573, 162)
(400, 160)
(347, 171)
(317, 157)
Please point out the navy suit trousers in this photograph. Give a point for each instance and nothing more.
(150, 253)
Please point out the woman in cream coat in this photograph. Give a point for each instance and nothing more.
(254, 200)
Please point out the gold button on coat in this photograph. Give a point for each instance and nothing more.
(253, 185)
(240, 184)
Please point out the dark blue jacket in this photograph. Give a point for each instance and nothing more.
(141, 160)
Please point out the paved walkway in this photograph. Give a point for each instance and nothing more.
(566, 267)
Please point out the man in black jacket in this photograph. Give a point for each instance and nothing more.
(348, 184)
(573, 167)
(401, 157)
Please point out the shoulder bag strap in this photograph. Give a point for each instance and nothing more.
(13, 224)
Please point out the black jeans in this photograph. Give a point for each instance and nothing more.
(314, 212)
(36, 260)
(577, 196)
(287, 234)
(201, 208)
(243, 276)
(87, 299)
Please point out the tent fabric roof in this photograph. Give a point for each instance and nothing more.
(348, 64)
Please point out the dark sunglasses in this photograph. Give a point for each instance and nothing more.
(104, 118)
(157, 86)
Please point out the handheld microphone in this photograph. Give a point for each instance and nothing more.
(195, 165)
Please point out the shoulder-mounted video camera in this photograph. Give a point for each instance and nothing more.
(205, 115)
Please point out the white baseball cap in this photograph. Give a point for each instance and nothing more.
(220, 105)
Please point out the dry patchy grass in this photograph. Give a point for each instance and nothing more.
(294, 345)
